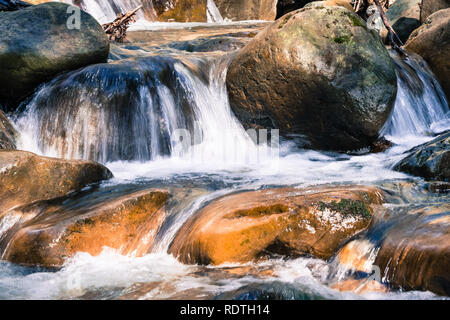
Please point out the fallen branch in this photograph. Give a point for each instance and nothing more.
(117, 30)
(394, 40)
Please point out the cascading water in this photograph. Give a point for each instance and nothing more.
(421, 106)
(212, 12)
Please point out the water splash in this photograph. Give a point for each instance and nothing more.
(213, 13)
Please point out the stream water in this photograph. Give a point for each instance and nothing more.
(125, 115)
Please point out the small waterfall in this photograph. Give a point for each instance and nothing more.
(212, 12)
(420, 107)
(134, 110)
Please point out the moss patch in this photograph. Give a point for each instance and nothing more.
(347, 206)
(260, 211)
(343, 39)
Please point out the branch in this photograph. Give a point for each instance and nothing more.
(117, 29)
(395, 41)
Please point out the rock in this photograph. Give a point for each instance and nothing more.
(7, 133)
(56, 231)
(176, 10)
(239, 10)
(430, 160)
(431, 6)
(404, 16)
(415, 254)
(432, 42)
(36, 44)
(288, 222)
(285, 6)
(317, 74)
(26, 177)
(359, 286)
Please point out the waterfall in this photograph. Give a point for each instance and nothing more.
(132, 110)
(212, 12)
(420, 107)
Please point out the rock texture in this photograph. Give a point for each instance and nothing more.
(49, 232)
(7, 133)
(26, 177)
(317, 74)
(431, 6)
(430, 160)
(237, 10)
(432, 42)
(36, 44)
(287, 222)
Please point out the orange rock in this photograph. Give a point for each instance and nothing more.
(291, 222)
(359, 286)
(26, 177)
(128, 224)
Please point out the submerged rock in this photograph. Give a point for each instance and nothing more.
(430, 160)
(404, 16)
(238, 10)
(288, 222)
(177, 10)
(432, 42)
(56, 231)
(7, 133)
(317, 74)
(36, 44)
(26, 177)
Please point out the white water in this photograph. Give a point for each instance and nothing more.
(213, 13)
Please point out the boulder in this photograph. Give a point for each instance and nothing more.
(176, 10)
(55, 230)
(287, 222)
(26, 177)
(404, 16)
(432, 42)
(317, 74)
(36, 44)
(415, 254)
(7, 133)
(238, 10)
(431, 6)
(430, 160)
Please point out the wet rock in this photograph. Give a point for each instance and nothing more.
(238, 10)
(404, 16)
(7, 133)
(431, 6)
(415, 254)
(36, 44)
(430, 160)
(26, 177)
(317, 74)
(12, 5)
(57, 231)
(287, 222)
(380, 145)
(177, 10)
(359, 286)
(432, 42)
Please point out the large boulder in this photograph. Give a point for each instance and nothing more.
(49, 232)
(287, 222)
(7, 133)
(430, 160)
(26, 177)
(432, 42)
(317, 74)
(36, 44)
(404, 16)
(238, 10)
(431, 6)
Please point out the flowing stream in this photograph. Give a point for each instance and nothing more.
(130, 114)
